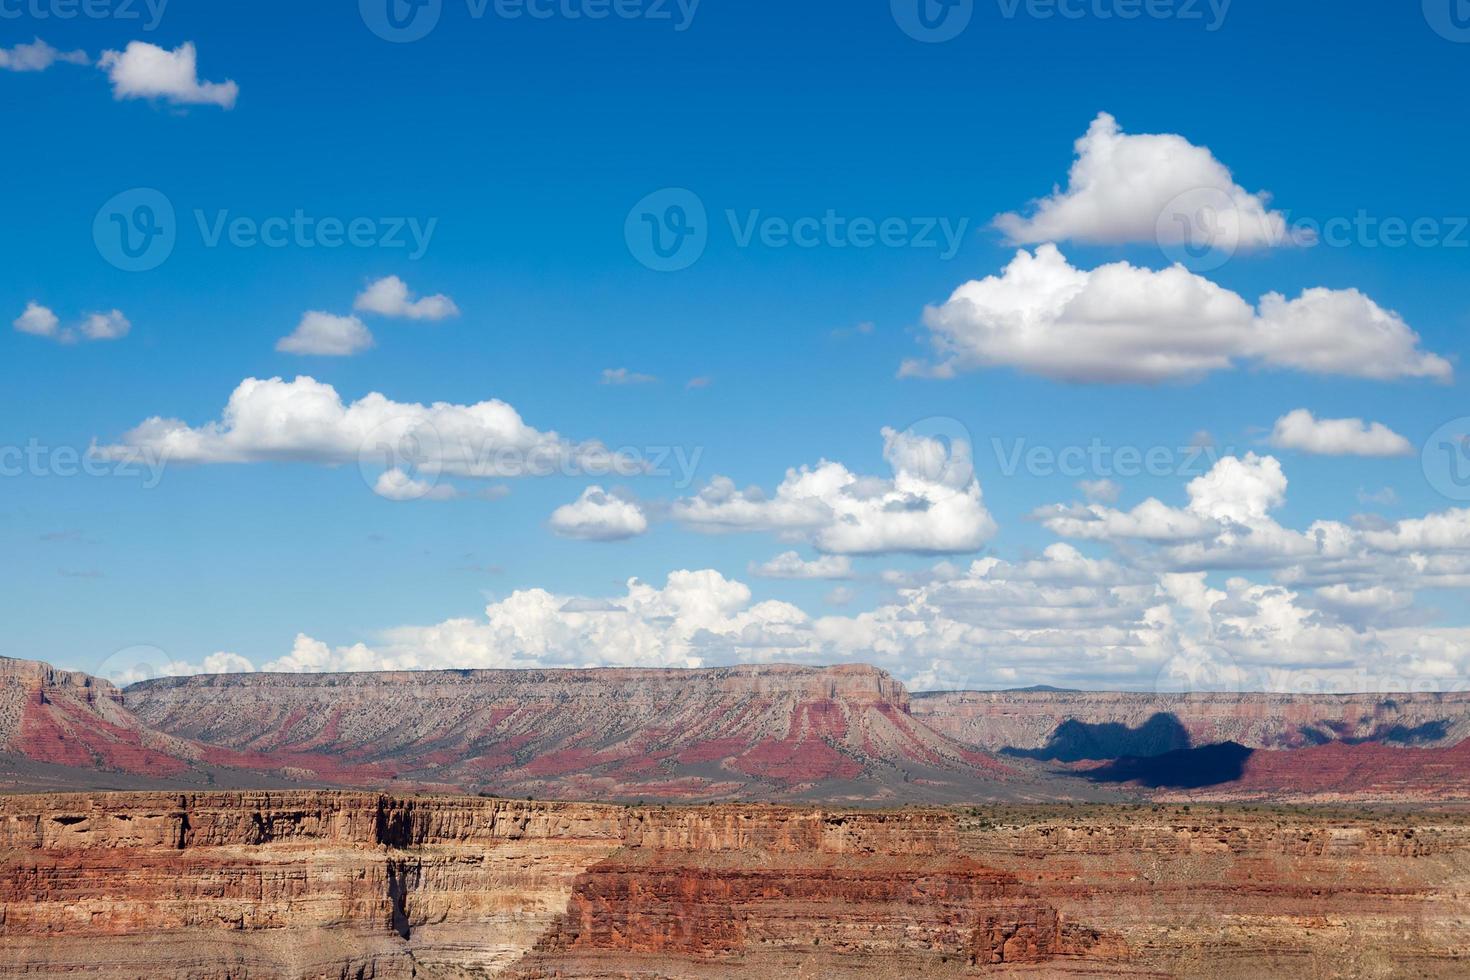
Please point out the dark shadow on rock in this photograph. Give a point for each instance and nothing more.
(1428, 733)
(1074, 741)
(1208, 765)
(1425, 734)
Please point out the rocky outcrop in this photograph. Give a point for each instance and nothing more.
(1245, 893)
(219, 885)
(75, 720)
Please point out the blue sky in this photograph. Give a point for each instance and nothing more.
(526, 142)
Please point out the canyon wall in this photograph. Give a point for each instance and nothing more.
(1243, 893)
(309, 884)
(220, 885)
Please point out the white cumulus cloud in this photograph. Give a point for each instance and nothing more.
(1145, 188)
(38, 321)
(1062, 618)
(111, 325)
(390, 297)
(932, 504)
(1341, 332)
(395, 484)
(305, 420)
(790, 565)
(146, 71)
(327, 335)
(1303, 431)
(1121, 323)
(599, 516)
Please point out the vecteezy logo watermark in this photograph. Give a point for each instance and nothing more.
(669, 230)
(933, 21)
(1199, 229)
(1446, 459)
(136, 231)
(150, 12)
(1199, 671)
(402, 21)
(133, 664)
(1449, 18)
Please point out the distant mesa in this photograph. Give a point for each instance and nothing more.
(761, 732)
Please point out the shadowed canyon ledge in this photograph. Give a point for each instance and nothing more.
(325, 884)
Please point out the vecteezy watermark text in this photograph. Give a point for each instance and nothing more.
(138, 230)
(1210, 13)
(302, 230)
(41, 461)
(409, 458)
(1204, 227)
(670, 229)
(1101, 460)
(405, 21)
(149, 12)
(937, 21)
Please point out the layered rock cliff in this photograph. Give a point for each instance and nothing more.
(70, 719)
(998, 720)
(763, 732)
(313, 885)
(309, 885)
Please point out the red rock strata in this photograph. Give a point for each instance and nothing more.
(306, 885)
(73, 719)
(318, 884)
(769, 732)
(762, 732)
(1349, 773)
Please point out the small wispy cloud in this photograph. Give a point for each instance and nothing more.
(622, 376)
(42, 321)
(390, 296)
(864, 329)
(38, 56)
